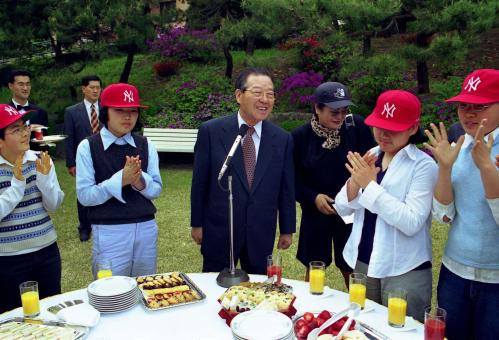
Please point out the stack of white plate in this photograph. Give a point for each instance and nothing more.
(113, 294)
(262, 325)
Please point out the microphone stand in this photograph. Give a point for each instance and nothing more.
(231, 276)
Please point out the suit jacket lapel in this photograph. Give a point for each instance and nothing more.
(264, 155)
(228, 136)
(84, 118)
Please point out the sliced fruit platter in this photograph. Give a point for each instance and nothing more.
(160, 291)
(305, 323)
(256, 295)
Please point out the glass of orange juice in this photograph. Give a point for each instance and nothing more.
(104, 269)
(317, 277)
(397, 307)
(357, 288)
(30, 298)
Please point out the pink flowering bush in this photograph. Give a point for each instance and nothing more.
(186, 44)
(297, 90)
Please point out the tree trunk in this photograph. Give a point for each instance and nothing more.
(128, 64)
(56, 47)
(366, 44)
(422, 76)
(74, 96)
(250, 45)
(229, 62)
(422, 41)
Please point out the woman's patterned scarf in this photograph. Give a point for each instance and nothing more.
(332, 135)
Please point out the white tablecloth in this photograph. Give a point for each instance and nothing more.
(200, 321)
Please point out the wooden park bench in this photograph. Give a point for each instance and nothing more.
(172, 140)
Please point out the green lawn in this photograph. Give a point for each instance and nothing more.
(176, 250)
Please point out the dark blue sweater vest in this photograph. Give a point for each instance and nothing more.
(106, 163)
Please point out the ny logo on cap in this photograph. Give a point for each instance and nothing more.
(472, 84)
(340, 93)
(388, 110)
(11, 111)
(128, 96)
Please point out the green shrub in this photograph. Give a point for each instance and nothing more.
(434, 109)
(192, 97)
(367, 78)
(290, 125)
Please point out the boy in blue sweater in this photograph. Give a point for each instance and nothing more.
(467, 197)
(28, 190)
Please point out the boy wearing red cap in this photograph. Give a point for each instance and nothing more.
(467, 197)
(28, 189)
(118, 176)
(390, 191)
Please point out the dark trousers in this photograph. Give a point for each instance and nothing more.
(43, 266)
(211, 265)
(83, 217)
(472, 307)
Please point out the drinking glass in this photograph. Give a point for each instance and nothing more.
(357, 288)
(274, 268)
(397, 307)
(317, 275)
(434, 323)
(30, 298)
(104, 269)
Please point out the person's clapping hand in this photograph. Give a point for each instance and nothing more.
(18, 167)
(139, 182)
(362, 169)
(43, 165)
(131, 170)
(442, 150)
(481, 149)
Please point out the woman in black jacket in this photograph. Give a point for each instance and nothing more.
(320, 154)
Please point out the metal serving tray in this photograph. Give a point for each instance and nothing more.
(188, 282)
(79, 332)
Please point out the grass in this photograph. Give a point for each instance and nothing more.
(176, 250)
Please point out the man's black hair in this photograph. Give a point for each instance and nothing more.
(242, 78)
(16, 73)
(87, 79)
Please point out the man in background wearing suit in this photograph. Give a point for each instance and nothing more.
(80, 121)
(263, 181)
(20, 87)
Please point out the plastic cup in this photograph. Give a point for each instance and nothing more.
(30, 298)
(104, 269)
(274, 267)
(317, 276)
(357, 288)
(397, 307)
(434, 323)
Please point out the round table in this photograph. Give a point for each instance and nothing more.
(200, 321)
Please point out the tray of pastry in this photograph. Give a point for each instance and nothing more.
(23, 328)
(167, 290)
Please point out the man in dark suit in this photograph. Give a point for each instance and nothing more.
(263, 181)
(20, 86)
(80, 121)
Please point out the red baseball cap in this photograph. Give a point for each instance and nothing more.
(479, 87)
(120, 95)
(9, 115)
(396, 110)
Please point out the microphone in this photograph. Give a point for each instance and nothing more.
(228, 159)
